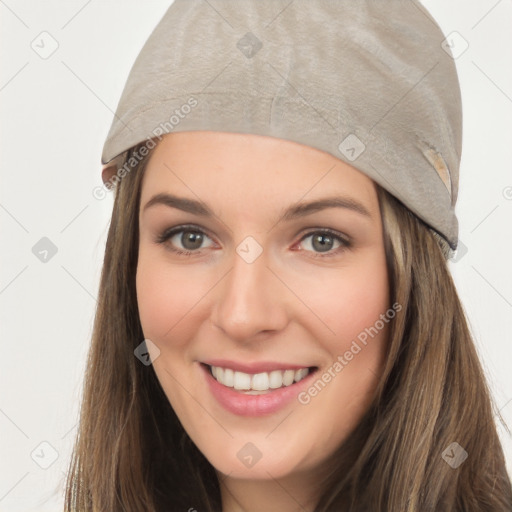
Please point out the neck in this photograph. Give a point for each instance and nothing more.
(293, 493)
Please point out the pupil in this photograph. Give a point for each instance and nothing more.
(322, 247)
(194, 238)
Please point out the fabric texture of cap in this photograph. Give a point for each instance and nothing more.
(371, 82)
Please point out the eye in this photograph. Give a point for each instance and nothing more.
(189, 237)
(324, 241)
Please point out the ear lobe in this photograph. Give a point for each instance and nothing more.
(107, 172)
(111, 169)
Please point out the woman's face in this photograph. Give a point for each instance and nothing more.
(263, 290)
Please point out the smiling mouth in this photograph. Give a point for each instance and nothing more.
(258, 383)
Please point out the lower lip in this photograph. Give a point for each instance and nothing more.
(254, 405)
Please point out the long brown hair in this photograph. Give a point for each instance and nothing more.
(132, 454)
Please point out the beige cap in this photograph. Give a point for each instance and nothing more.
(371, 82)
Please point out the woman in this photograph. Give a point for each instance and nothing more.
(277, 327)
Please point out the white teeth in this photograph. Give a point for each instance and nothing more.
(260, 382)
(229, 377)
(275, 379)
(300, 374)
(289, 376)
(241, 381)
(256, 384)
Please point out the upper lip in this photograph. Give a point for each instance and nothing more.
(254, 367)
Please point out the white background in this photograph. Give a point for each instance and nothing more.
(55, 115)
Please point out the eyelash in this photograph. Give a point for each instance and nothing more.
(169, 233)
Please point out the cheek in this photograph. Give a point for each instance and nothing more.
(348, 301)
(351, 305)
(365, 299)
(169, 298)
(154, 299)
(161, 296)
(365, 326)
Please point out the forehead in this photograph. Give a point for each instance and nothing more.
(249, 171)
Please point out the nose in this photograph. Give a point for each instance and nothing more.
(250, 301)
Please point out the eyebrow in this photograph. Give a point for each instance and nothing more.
(294, 211)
